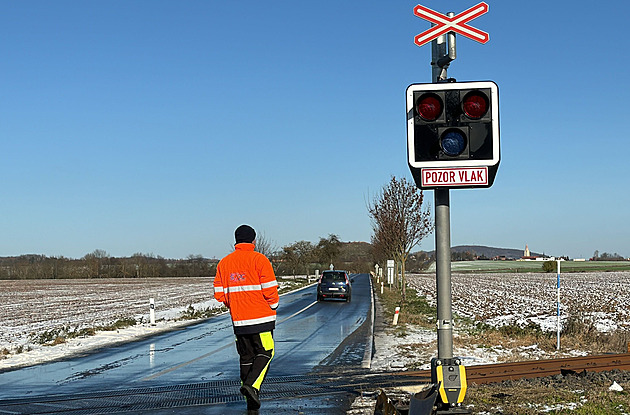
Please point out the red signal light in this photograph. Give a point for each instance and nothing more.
(429, 107)
(475, 104)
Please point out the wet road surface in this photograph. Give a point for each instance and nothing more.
(197, 361)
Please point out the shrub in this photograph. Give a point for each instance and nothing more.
(59, 340)
(549, 266)
(578, 325)
(121, 323)
(47, 336)
(191, 313)
(514, 330)
(90, 331)
(582, 330)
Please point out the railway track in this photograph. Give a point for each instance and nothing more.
(498, 372)
(344, 383)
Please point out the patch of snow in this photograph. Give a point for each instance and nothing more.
(515, 298)
(80, 304)
(43, 353)
(615, 387)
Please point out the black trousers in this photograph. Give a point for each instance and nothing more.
(255, 351)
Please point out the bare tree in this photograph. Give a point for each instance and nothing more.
(95, 262)
(265, 246)
(399, 222)
(298, 256)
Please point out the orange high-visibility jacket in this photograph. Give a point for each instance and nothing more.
(246, 284)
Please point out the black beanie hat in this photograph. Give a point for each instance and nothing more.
(244, 233)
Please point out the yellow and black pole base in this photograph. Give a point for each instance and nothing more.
(450, 377)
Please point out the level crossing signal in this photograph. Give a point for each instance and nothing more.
(453, 134)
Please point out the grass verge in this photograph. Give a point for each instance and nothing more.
(557, 396)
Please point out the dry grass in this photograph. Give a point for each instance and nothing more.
(579, 333)
(58, 340)
(554, 398)
(414, 310)
(511, 400)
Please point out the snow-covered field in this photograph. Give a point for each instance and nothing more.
(499, 299)
(33, 309)
(29, 308)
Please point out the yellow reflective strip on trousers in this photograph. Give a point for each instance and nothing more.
(267, 341)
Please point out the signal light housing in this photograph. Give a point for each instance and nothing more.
(475, 104)
(429, 106)
(453, 142)
(453, 126)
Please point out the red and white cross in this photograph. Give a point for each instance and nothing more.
(445, 24)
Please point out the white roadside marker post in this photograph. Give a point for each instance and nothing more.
(396, 316)
(558, 303)
(152, 311)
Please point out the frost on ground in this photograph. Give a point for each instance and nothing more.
(501, 299)
(34, 310)
(29, 308)
(35, 313)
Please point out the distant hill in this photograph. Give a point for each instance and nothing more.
(488, 251)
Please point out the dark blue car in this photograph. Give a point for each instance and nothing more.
(334, 284)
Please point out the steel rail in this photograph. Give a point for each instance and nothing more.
(481, 374)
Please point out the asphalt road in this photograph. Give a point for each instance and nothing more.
(311, 337)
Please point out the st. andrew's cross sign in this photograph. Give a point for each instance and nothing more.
(445, 24)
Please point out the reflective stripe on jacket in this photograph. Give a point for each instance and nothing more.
(246, 284)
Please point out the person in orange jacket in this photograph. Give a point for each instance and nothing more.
(246, 284)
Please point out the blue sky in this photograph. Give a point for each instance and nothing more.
(160, 126)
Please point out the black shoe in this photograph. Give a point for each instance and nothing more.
(251, 394)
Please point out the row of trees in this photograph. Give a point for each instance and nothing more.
(607, 257)
(304, 257)
(99, 264)
(399, 222)
(298, 258)
(463, 256)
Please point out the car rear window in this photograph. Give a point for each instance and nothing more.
(333, 276)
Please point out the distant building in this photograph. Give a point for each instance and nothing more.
(527, 255)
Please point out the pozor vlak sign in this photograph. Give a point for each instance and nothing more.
(453, 134)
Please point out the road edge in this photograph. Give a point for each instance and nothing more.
(367, 356)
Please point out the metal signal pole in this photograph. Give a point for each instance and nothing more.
(443, 273)
(447, 372)
(424, 108)
(441, 56)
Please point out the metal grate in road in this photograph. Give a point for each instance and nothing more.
(187, 395)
